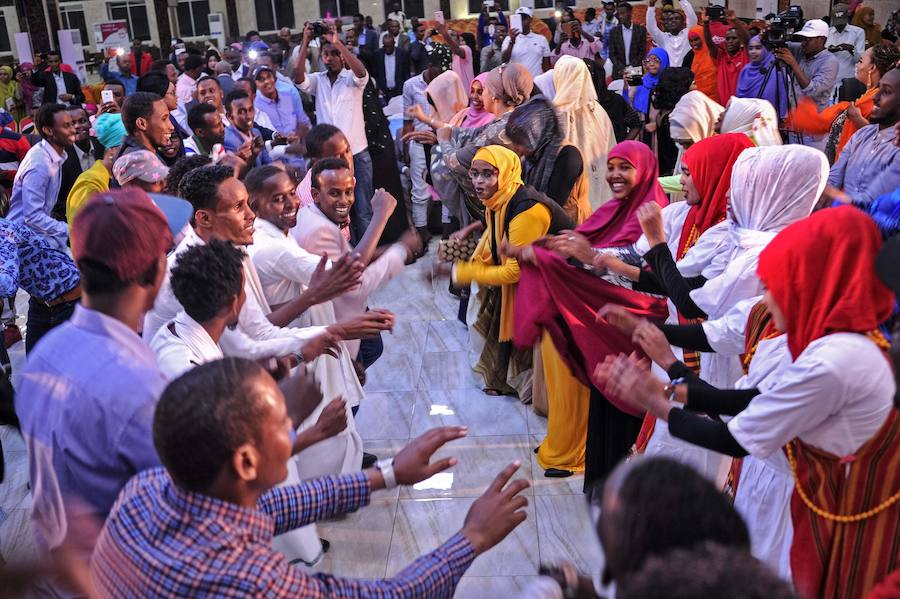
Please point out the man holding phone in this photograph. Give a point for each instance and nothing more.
(627, 42)
(524, 46)
(241, 113)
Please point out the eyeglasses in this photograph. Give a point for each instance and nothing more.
(651, 59)
(485, 174)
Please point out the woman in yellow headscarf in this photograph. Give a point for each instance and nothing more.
(517, 214)
(10, 96)
(864, 18)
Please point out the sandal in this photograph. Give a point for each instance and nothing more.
(557, 473)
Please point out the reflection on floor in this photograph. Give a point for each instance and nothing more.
(424, 380)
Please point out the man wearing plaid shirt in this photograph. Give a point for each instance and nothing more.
(203, 526)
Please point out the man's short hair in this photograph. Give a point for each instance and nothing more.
(235, 94)
(250, 81)
(183, 166)
(46, 116)
(250, 35)
(624, 5)
(159, 66)
(197, 115)
(317, 137)
(204, 78)
(256, 179)
(326, 164)
(203, 416)
(206, 278)
(154, 82)
(707, 570)
(192, 61)
(200, 186)
(137, 105)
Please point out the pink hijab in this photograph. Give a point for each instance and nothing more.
(474, 117)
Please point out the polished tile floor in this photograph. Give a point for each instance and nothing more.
(424, 380)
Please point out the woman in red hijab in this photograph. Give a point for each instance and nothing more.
(560, 295)
(830, 410)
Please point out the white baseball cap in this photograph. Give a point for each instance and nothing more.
(524, 10)
(814, 28)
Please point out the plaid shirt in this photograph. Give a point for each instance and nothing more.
(160, 540)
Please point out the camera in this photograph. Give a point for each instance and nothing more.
(633, 75)
(318, 28)
(715, 12)
(781, 27)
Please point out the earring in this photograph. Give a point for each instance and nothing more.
(869, 81)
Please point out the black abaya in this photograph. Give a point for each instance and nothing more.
(610, 436)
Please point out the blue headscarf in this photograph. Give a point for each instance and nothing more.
(648, 81)
(751, 79)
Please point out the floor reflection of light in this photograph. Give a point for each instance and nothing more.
(440, 481)
(441, 410)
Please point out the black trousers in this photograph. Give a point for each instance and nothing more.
(42, 319)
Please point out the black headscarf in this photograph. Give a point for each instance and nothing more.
(535, 126)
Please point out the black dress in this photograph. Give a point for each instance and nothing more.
(610, 435)
(385, 172)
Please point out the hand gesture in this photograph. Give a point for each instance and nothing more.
(368, 324)
(730, 15)
(307, 33)
(704, 18)
(619, 317)
(301, 394)
(245, 152)
(570, 244)
(412, 241)
(523, 254)
(110, 107)
(333, 418)
(422, 137)
(786, 56)
(653, 341)
(853, 112)
(328, 283)
(413, 464)
(324, 344)
(629, 380)
(650, 217)
(497, 512)
(651, 2)
(513, 34)
(334, 36)
(416, 112)
(383, 202)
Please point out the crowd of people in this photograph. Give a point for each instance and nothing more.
(677, 241)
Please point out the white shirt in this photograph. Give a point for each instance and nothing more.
(184, 88)
(285, 270)
(835, 396)
(318, 235)
(856, 37)
(340, 104)
(530, 51)
(592, 27)
(60, 85)
(255, 337)
(183, 344)
(390, 69)
(626, 39)
(86, 159)
(677, 46)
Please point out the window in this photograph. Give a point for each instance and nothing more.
(338, 8)
(4, 35)
(72, 17)
(475, 6)
(192, 21)
(135, 12)
(274, 14)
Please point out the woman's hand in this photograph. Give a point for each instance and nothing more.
(570, 244)
(650, 217)
(422, 137)
(523, 254)
(651, 339)
(416, 112)
(630, 381)
(619, 317)
(466, 231)
(443, 134)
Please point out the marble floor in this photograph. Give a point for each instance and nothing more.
(424, 380)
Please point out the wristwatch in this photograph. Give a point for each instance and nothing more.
(387, 472)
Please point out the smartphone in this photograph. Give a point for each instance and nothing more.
(715, 12)
(106, 96)
(439, 17)
(489, 3)
(515, 22)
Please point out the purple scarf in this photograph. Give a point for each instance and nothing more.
(751, 79)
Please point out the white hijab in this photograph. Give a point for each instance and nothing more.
(754, 117)
(771, 188)
(544, 82)
(694, 117)
(585, 124)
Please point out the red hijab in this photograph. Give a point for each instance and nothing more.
(710, 162)
(821, 272)
(615, 223)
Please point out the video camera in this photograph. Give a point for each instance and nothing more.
(781, 27)
(318, 29)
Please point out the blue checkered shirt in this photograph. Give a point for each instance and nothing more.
(163, 541)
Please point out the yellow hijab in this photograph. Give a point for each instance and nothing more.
(508, 183)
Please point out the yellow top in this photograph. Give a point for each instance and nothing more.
(90, 181)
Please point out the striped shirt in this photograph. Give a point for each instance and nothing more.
(161, 540)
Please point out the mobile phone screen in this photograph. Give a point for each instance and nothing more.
(439, 16)
(515, 22)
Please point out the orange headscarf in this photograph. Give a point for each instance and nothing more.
(703, 66)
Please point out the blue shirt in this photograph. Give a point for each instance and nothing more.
(164, 541)
(91, 387)
(287, 112)
(130, 82)
(869, 165)
(34, 193)
(234, 139)
(28, 261)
